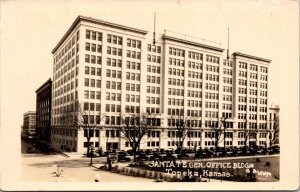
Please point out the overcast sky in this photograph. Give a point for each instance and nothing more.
(31, 29)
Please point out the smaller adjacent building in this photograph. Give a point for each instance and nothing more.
(274, 124)
(29, 124)
(43, 111)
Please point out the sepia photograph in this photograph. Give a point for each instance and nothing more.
(149, 95)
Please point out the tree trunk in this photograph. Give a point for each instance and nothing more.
(88, 148)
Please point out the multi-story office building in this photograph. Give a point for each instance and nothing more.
(112, 70)
(29, 124)
(43, 111)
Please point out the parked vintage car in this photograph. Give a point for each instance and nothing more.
(122, 156)
(274, 149)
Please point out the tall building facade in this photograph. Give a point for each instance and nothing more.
(112, 70)
(29, 124)
(43, 111)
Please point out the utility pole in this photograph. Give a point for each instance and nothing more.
(154, 28)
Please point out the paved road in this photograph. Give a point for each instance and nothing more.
(39, 167)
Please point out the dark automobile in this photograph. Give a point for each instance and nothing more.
(148, 151)
(200, 153)
(156, 150)
(274, 149)
(156, 156)
(220, 152)
(245, 151)
(261, 151)
(229, 152)
(237, 151)
(203, 153)
(130, 152)
(183, 154)
(170, 151)
(178, 150)
(122, 156)
(162, 151)
(169, 156)
(190, 153)
(142, 156)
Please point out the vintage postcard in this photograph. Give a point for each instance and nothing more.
(150, 95)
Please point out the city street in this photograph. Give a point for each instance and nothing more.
(40, 167)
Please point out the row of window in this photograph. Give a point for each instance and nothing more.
(133, 76)
(114, 62)
(153, 58)
(93, 59)
(133, 65)
(227, 71)
(67, 47)
(153, 110)
(212, 86)
(92, 94)
(153, 89)
(133, 87)
(134, 43)
(132, 98)
(173, 91)
(195, 55)
(176, 72)
(227, 63)
(92, 71)
(194, 84)
(227, 97)
(227, 89)
(113, 96)
(211, 77)
(242, 73)
(114, 39)
(194, 113)
(89, 34)
(112, 108)
(177, 82)
(153, 69)
(195, 94)
(243, 82)
(113, 85)
(212, 68)
(154, 48)
(195, 65)
(91, 107)
(211, 114)
(226, 106)
(212, 59)
(152, 100)
(176, 102)
(213, 105)
(114, 73)
(193, 74)
(114, 51)
(132, 109)
(194, 103)
(93, 47)
(176, 62)
(176, 52)
(211, 95)
(92, 83)
(133, 54)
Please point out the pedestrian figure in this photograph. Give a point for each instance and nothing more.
(97, 178)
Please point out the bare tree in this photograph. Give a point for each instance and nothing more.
(82, 118)
(133, 128)
(182, 127)
(274, 135)
(216, 132)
